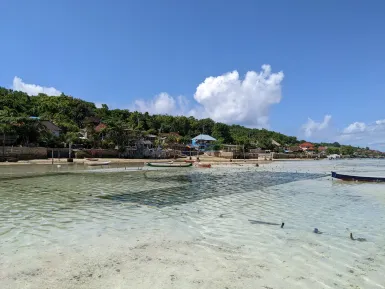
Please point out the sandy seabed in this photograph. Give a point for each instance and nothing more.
(208, 243)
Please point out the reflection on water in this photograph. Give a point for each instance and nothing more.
(227, 214)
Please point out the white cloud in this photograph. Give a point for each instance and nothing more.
(355, 128)
(311, 127)
(163, 103)
(33, 89)
(229, 99)
(225, 98)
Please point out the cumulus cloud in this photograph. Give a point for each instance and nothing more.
(229, 99)
(225, 98)
(33, 89)
(163, 103)
(311, 127)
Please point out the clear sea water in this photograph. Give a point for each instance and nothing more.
(74, 227)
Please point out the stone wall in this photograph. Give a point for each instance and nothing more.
(102, 153)
(295, 156)
(25, 153)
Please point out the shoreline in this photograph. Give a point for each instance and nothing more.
(118, 161)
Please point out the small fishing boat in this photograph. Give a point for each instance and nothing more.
(92, 159)
(170, 165)
(357, 178)
(200, 165)
(189, 161)
(98, 163)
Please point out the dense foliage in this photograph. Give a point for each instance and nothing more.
(72, 115)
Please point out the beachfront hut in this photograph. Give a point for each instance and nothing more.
(202, 141)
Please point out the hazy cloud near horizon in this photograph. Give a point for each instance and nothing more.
(312, 128)
(370, 134)
(356, 133)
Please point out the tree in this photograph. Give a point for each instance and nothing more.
(347, 150)
(124, 127)
(221, 132)
(332, 150)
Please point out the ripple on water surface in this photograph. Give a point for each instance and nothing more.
(234, 214)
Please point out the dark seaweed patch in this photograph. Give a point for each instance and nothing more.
(194, 186)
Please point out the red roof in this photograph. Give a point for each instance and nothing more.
(100, 126)
(306, 145)
(321, 149)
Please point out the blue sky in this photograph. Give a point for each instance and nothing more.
(159, 55)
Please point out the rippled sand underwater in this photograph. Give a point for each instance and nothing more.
(193, 228)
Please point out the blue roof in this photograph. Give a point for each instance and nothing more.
(204, 137)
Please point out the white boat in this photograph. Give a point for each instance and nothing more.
(94, 163)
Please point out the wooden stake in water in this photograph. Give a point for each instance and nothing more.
(52, 156)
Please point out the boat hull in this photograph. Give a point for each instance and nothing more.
(98, 164)
(167, 165)
(357, 178)
(203, 165)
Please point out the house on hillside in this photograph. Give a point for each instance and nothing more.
(202, 141)
(51, 127)
(322, 150)
(100, 127)
(307, 146)
(293, 149)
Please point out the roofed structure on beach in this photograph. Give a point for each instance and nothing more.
(307, 146)
(203, 137)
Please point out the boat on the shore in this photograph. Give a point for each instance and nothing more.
(200, 165)
(357, 178)
(94, 163)
(170, 165)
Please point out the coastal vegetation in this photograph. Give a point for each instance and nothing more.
(73, 116)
